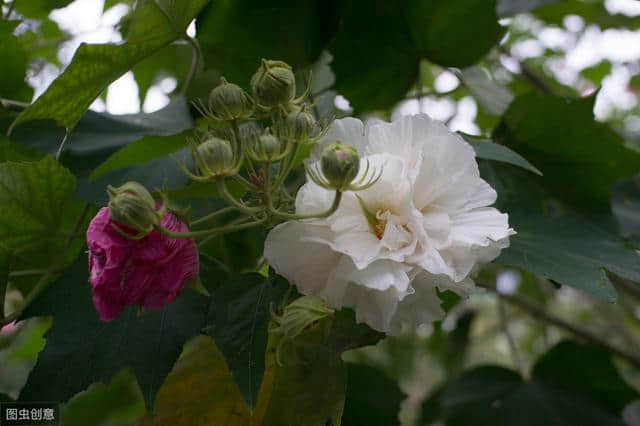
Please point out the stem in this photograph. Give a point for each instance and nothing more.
(542, 315)
(293, 216)
(15, 104)
(208, 232)
(213, 215)
(61, 147)
(43, 282)
(222, 188)
(195, 62)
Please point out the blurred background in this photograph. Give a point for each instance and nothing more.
(573, 48)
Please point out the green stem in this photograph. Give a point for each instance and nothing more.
(293, 216)
(195, 62)
(222, 189)
(208, 232)
(27, 272)
(61, 147)
(246, 183)
(210, 216)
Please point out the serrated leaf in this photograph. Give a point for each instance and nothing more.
(81, 349)
(555, 242)
(385, 59)
(94, 67)
(580, 158)
(488, 150)
(238, 321)
(236, 34)
(446, 32)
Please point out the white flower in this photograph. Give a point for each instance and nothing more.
(432, 226)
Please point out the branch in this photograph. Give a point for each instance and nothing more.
(542, 315)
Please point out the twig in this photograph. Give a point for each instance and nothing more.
(542, 315)
(10, 103)
(61, 147)
(529, 74)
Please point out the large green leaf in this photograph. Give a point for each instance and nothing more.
(14, 64)
(625, 204)
(236, 34)
(372, 398)
(554, 242)
(374, 58)
(94, 67)
(238, 321)
(580, 158)
(513, 7)
(310, 384)
(99, 137)
(565, 390)
(455, 33)
(82, 350)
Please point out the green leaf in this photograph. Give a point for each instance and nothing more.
(488, 150)
(238, 320)
(82, 350)
(453, 33)
(513, 7)
(555, 242)
(99, 136)
(10, 151)
(598, 72)
(14, 65)
(374, 68)
(236, 34)
(580, 158)
(117, 401)
(309, 387)
(372, 399)
(625, 204)
(94, 67)
(495, 396)
(37, 214)
(571, 366)
(491, 96)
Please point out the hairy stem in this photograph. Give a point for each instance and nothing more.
(210, 232)
(213, 215)
(222, 188)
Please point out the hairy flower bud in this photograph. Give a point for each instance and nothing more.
(273, 84)
(302, 313)
(229, 102)
(340, 164)
(266, 147)
(133, 206)
(301, 125)
(214, 156)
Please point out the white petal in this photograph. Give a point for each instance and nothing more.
(289, 249)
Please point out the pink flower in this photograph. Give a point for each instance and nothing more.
(150, 272)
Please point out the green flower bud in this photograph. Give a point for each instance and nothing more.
(273, 84)
(302, 313)
(229, 102)
(131, 205)
(214, 156)
(301, 125)
(266, 147)
(340, 164)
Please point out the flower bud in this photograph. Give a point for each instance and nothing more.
(302, 313)
(266, 147)
(301, 125)
(229, 102)
(273, 84)
(133, 206)
(340, 164)
(214, 156)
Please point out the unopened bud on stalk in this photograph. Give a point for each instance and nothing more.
(273, 84)
(229, 102)
(301, 125)
(214, 156)
(340, 164)
(266, 147)
(132, 206)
